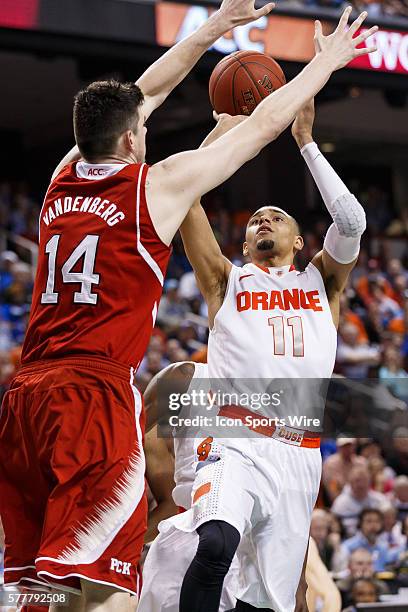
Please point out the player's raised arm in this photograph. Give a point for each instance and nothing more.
(342, 242)
(171, 68)
(71, 156)
(174, 184)
(210, 266)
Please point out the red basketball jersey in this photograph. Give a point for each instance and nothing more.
(100, 269)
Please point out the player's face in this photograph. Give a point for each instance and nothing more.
(272, 233)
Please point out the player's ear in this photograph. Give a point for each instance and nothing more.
(245, 249)
(129, 140)
(299, 243)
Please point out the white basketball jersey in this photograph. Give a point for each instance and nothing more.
(184, 458)
(273, 323)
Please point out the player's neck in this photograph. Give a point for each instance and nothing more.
(273, 262)
(114, 159)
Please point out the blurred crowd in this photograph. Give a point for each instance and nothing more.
(361, 523)
(362, 530)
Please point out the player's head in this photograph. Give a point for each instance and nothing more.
(109, 121)
(272, 232)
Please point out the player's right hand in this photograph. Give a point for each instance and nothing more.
(340, 46)
(241, 12)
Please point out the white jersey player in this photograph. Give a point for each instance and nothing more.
(171, 552)
(267, 321)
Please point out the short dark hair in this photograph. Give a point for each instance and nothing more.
(368, 511)
(369, 581)
(102, 112)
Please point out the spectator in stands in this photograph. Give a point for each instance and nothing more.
(388, 307)
(7, 260)
(369, 448)
(398, 455)
(354, 358)
(355, 497)
(395, 269)
(392, 374)
(173, 347)
(382, 478)
(326, 542)
(367, 537)
(399, 226)
(367, 285)
(373, 323)
(155, 362)
(400, 497)
(188, 289)
(360, 565)
(172, 308)
(336, 468)
(349, 316)
(364, 590)
(392, 534)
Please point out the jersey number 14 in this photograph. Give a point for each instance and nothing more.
(86, 277)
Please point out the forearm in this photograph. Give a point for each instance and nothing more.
(172, 67)
(278, 110)
(326, 178)
(342, 241)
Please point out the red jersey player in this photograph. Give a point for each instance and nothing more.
(72, 494)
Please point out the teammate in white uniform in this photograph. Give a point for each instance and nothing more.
(267, 321)
(171, 552)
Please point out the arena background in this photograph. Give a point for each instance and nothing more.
(49, 49)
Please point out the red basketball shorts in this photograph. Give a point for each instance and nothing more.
(72, 486)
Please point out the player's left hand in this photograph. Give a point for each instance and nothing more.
(302, 126)
(225, 123)
(240, 12)
(301, 603)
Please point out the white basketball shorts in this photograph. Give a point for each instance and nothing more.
(165, 566)
(266, 489)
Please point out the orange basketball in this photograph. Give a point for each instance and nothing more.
(240, 81)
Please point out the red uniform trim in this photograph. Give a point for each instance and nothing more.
(310, 438)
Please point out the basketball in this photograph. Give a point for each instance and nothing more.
(242, 80)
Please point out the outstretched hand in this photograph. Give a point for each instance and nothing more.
(240, 12)
(340, 47)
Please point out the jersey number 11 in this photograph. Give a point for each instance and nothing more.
(279, 341)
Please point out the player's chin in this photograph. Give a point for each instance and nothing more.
(265, 244)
